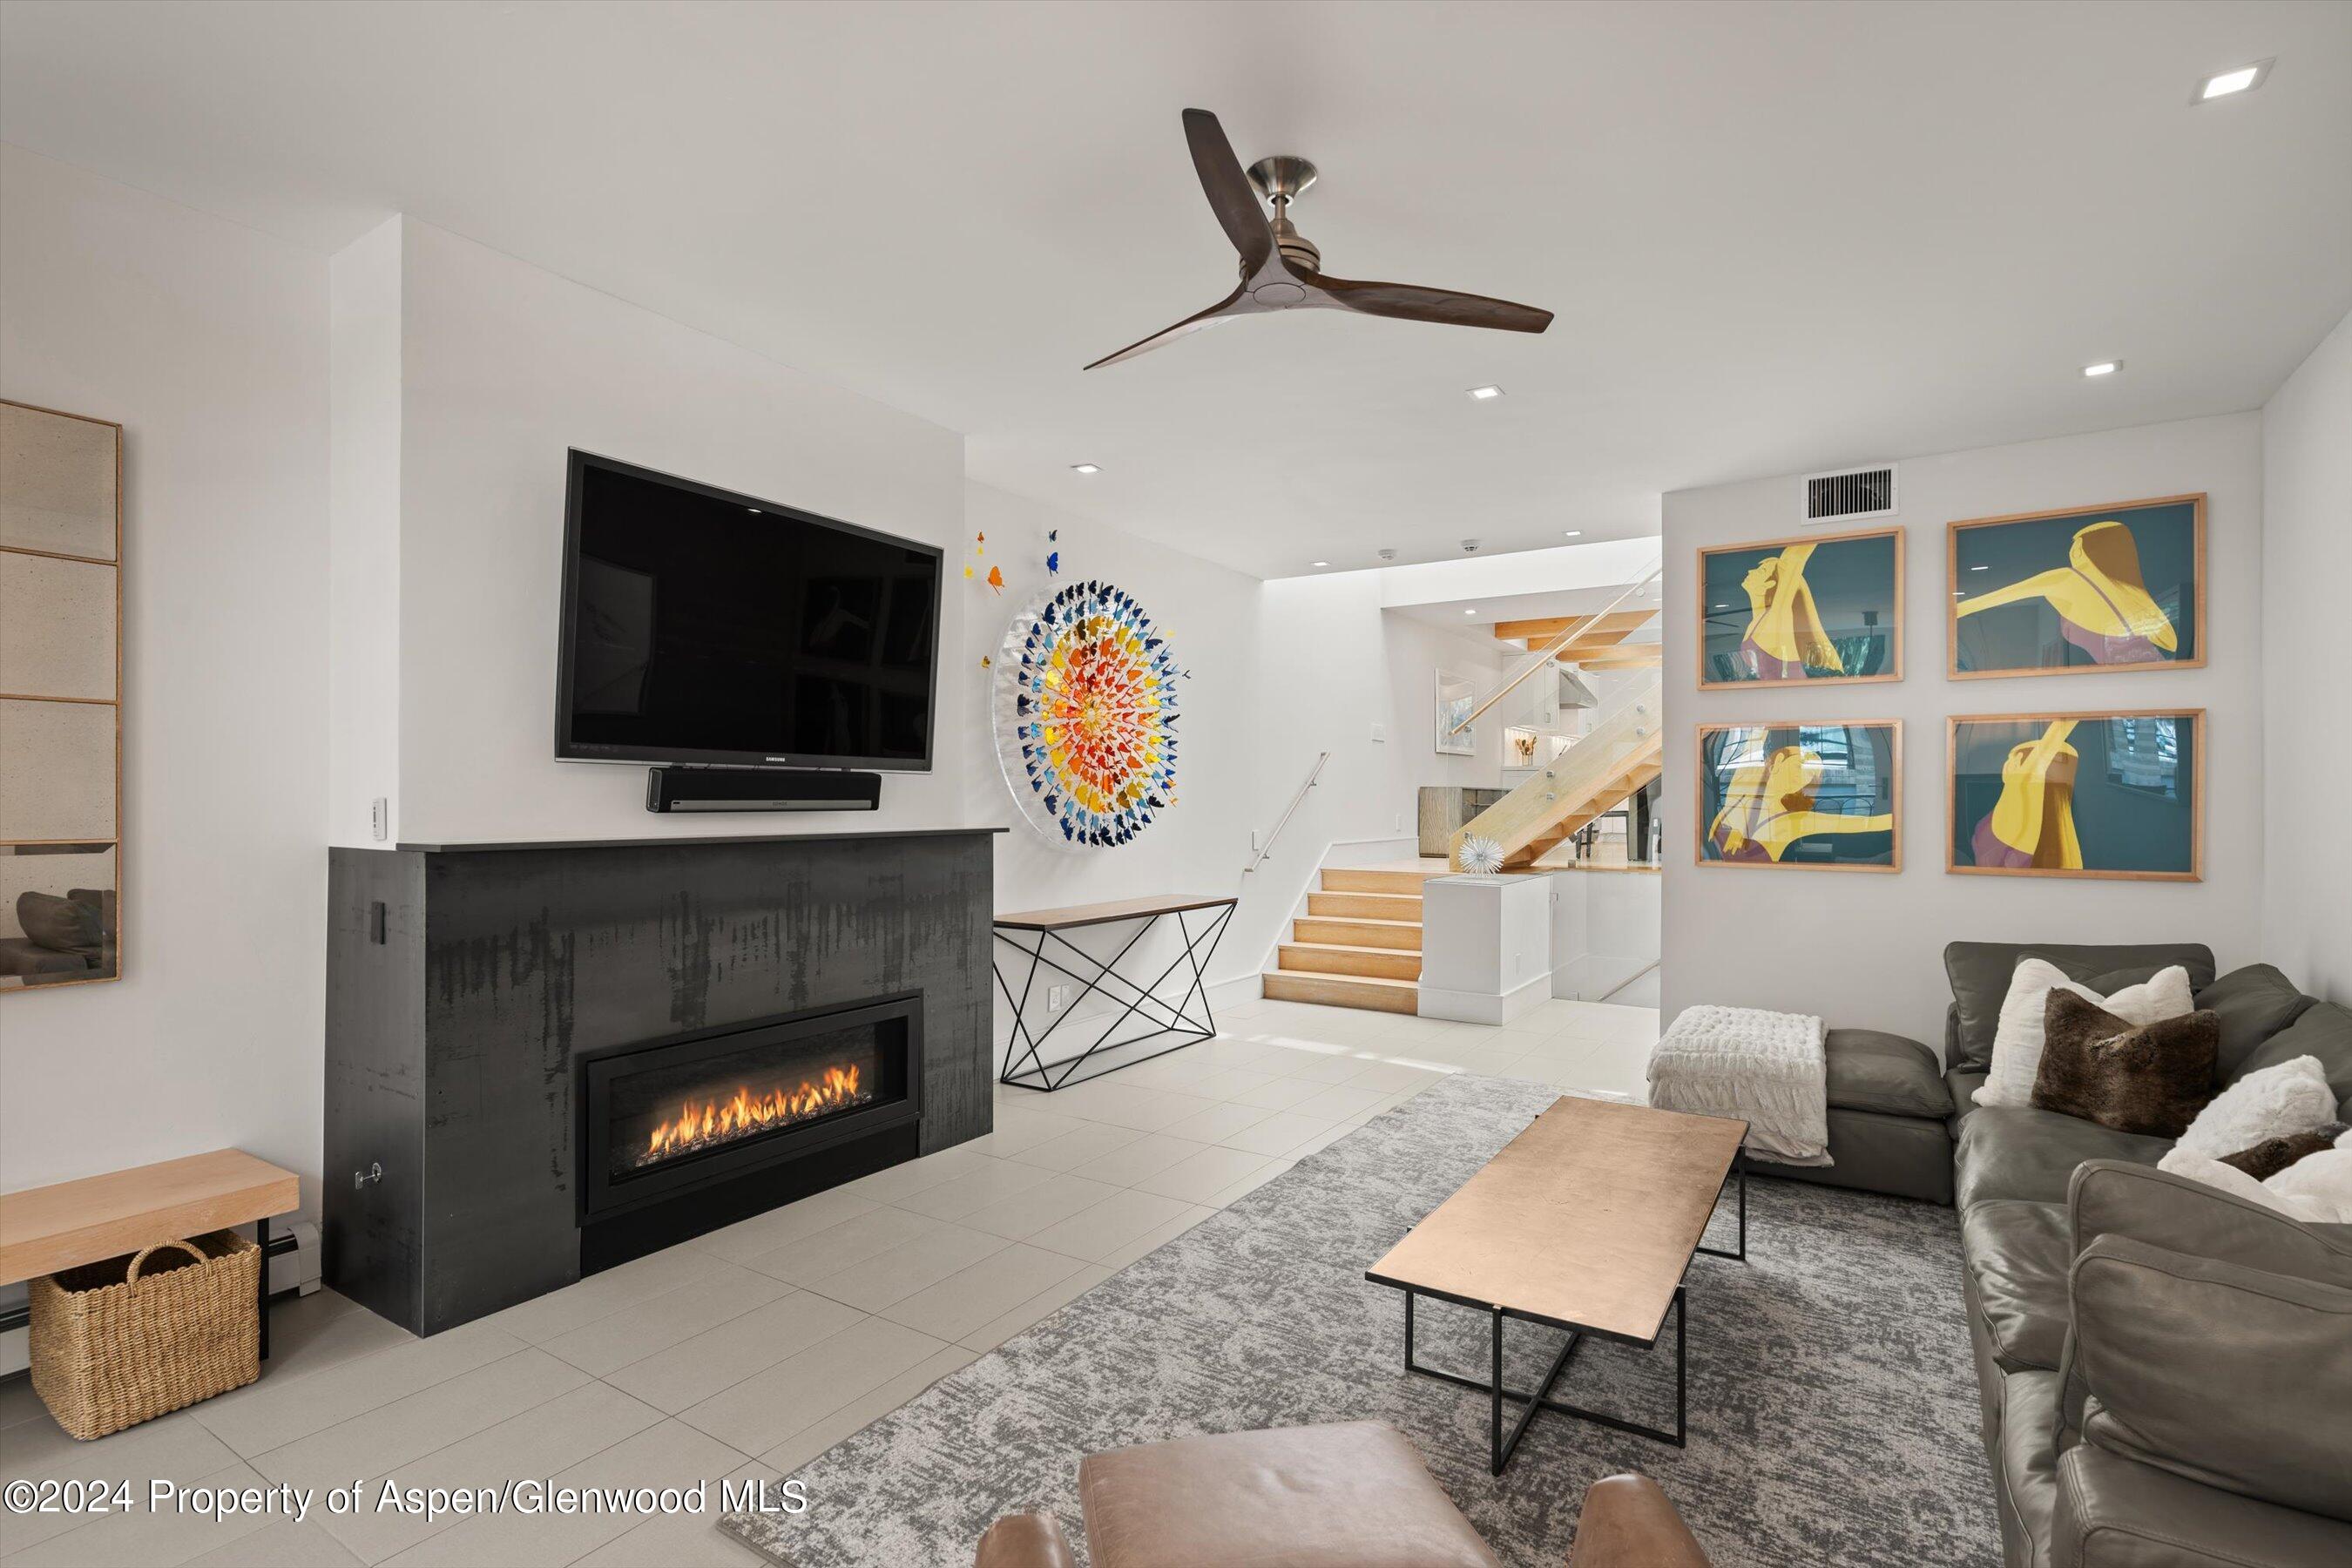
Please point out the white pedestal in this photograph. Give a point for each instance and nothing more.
(1485, 947)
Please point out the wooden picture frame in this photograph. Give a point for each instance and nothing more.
(1956, 591)
(1894, 608)
(1954, 812)
(1705, 812)
(71, 665)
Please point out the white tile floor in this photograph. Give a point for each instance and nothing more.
(749, 1350)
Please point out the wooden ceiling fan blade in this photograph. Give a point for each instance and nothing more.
(1231, 195)
(1410, 302)
(1236, 303)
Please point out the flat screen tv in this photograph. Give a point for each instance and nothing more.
(699, 625)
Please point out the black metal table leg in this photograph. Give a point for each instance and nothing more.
(261, 1307)
(1739, 1175)
(1026, 1066)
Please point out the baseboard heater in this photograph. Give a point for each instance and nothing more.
(760, 789)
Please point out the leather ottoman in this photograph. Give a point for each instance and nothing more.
(1348, 1496)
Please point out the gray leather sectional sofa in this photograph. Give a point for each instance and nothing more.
(2166, 1369)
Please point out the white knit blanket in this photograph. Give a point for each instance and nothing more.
(1765, 1068)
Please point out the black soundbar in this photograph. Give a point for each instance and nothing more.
(760, 789)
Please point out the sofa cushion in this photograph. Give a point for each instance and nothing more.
(1872, 1071)
(2140, 1203)
(1351, 1495)
(23, 955)
(1979, 972)
(61, 925)
(2114, 1513)
(2322, 1030)
(2012, 1153)
(2017, 1253)
(2254, 1003)
(2230, 1376)
(1872, 1151)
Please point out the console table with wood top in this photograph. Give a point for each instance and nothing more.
(1039, 936)
(44, 1230)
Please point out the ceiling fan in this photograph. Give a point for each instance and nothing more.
(1281, 270)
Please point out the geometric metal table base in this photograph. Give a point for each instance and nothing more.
(1502, 1445)
(1026, 1067)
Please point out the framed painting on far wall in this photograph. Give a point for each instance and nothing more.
(1815, 610)
(2119, 795)
(1801, 796)
(1457, 736)
(2090, 589)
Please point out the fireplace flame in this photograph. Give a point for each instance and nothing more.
(716, 1121)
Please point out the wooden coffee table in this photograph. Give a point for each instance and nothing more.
(1588, 1222)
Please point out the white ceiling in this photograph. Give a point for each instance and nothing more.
(1777, 238)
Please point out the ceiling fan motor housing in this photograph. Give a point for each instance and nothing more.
(1282, 179)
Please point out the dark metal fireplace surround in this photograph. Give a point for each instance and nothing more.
(680, 1136)
(481, 996)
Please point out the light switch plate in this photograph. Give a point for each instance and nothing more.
(1379, 732)
(380, 817)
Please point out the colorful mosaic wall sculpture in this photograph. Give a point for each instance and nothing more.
(1086, 711)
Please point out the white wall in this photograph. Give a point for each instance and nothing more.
(2307, 740)
(504, 366)
(1199, 844)
(1867, 951)
(363, 524)
(1332, 665)
(208, 343)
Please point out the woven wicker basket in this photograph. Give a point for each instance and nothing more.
(113, 1345)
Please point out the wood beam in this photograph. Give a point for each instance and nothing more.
(1624, 656)
(1612, 627)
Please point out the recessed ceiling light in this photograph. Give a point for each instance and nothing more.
(2104, 367)
(1486, 394)
(1469, 612)
(2229, 84)
(1573, 534)
(1319, 563)
(1083, 468)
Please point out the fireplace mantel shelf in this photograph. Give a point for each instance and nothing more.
(494, 846)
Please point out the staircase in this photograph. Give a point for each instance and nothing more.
(1621, 754)
(1358, 944)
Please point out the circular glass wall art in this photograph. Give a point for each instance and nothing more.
(1085, 715)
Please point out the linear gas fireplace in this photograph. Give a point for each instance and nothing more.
(682, 1135)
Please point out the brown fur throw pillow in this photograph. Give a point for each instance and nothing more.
(2150, 1078)
(2271, 1155)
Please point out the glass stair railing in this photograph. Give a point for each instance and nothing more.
(1618, 755)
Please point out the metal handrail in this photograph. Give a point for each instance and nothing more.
(1266, 848)
(1566, 640)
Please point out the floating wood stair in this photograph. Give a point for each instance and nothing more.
(1621, 753)
(1358, 944)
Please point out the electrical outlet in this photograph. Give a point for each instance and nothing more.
(1056, 998)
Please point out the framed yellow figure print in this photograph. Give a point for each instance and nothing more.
(1801, 795)
(1815, 610)
(2118, 796)
(2089, 589)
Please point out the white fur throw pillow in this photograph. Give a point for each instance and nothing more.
(2316, 1188)
(2324, 1179)
(2018, 1039)
(2276, 1102)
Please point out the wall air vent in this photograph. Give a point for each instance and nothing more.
(1855, 492)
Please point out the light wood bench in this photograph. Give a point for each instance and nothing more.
(46, 1229)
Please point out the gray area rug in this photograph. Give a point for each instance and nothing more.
(1832, 1406)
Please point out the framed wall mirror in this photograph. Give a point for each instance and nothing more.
(60, 698)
